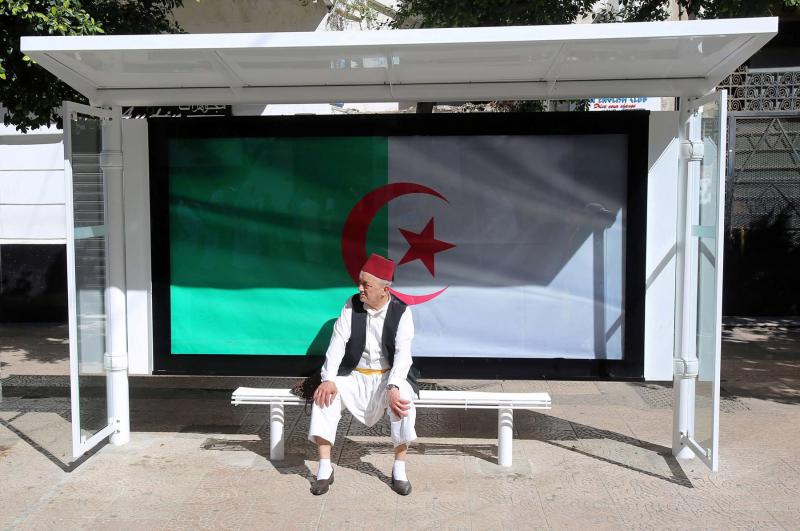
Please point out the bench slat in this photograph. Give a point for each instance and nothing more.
(430, 399)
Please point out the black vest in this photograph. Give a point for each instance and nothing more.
(358, 337)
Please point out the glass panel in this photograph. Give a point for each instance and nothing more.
(90, 260)
(708, 263)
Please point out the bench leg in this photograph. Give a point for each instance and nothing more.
(505, 435)
(276, 432)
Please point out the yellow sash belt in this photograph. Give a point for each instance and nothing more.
(370, 372)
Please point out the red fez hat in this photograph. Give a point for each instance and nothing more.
(381, 267)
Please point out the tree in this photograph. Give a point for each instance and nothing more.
(738, 8)
(472, 13)
(632, 11)
(135, 17)
(31, 95)
(485, 13)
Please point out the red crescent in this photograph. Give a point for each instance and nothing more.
(356, 226)
(411, 300)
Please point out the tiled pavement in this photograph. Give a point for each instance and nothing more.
(599, 459)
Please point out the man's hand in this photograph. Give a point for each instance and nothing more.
(325, 393)
(397, 405)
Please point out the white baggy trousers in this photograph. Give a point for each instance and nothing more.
(366, 398)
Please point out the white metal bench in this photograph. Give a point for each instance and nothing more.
(504, 403)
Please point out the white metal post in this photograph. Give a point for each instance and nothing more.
(505, 436)
(723, 143)
(685, 358)
(116, 356)
(72, 318)
(276, 432)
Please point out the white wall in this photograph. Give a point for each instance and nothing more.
(281, 109)
(135, 177)
(662, 222)
(32, 186)
(250, 16)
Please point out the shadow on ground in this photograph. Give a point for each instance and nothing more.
(761, 359)
(759, 362)
(208, 411)
(45, 343)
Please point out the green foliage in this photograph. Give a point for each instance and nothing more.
(361, 12)
(738, 8)
(487, 13)
(135, 17)
(28, 92)
(633, 11)
(472, 13)
(31, 95)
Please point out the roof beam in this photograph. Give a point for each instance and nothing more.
(67, 75)
(235, 83)
(406, 92)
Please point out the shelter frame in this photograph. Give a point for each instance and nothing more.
(685, 60)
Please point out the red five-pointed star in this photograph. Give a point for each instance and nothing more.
(423, 246)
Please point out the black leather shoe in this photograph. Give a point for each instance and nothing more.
(321, 486)
(403, 488)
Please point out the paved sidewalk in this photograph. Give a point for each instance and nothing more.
(600, 459)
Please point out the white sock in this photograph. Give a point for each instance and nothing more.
(325, 469)
(399, 471)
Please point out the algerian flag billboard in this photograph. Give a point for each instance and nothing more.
(507, 245)
(255, 238)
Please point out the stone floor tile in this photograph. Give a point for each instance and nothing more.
(430, 510)
(559, 387)
(291, 507)
(509, 522)
(123, 524)
(597, 517)
(190, 517)
(630, 487)
(297, 523)
(17, 505)
(358, 515)
(525, 386)
(80, 500)
(789, 519)
(49, 523)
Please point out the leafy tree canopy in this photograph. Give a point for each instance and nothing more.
(30, 94)
(740, 8)
(472, 13)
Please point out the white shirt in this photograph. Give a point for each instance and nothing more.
(374, 356)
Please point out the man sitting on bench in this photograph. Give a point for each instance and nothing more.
(368, 367)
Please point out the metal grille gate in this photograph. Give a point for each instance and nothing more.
(762, 196)
(763, 170)
(762, 90)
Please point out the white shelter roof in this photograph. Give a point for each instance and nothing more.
(687, 58)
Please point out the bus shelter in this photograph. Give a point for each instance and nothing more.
(673, 322)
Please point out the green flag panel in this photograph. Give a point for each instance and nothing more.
(255, 239)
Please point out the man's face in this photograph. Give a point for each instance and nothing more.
(373, 292)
